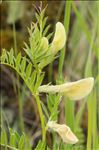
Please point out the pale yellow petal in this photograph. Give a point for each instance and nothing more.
(79, 89)
(64, 131)
(59, 38)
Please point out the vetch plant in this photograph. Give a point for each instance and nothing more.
(40, 53)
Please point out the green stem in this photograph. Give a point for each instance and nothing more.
(19, 94)
(20, 97)
(14, 36)
(69, 109)
(95, 137)
(90, 102)
(90, 112)
(66, 24)
(41, 118)
(15, 49)
(50, 72)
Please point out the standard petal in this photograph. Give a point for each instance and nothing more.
(59, 38)
(79, 89)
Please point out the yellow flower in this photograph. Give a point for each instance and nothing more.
(59, 38)
(56, 45)
(74, 90)
(64, 131)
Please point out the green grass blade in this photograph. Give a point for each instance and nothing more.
(66, 24)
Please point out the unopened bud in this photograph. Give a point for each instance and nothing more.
(44, 43)
(59, 38)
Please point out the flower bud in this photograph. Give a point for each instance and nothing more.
(64, 131)
(44, 43)
(59, 38)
